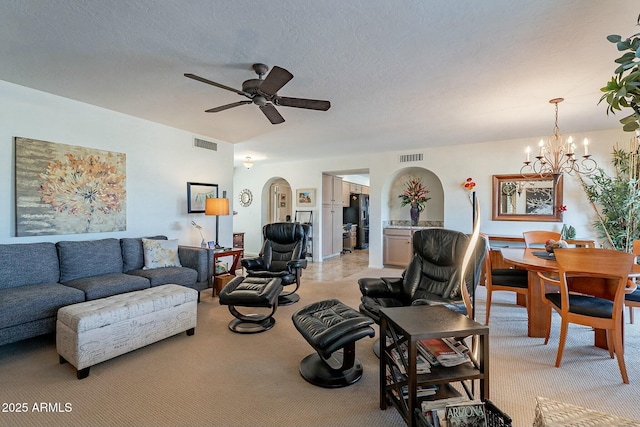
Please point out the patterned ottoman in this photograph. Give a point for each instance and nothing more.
(94, 331)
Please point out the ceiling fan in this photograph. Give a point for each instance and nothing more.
(263, 93)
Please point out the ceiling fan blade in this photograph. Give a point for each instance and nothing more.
(274, 81)
(226, 107)
(272, 114)
(310, 104)
(221, 86)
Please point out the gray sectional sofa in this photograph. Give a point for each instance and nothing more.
(36, 279)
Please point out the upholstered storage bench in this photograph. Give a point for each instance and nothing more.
(94, 331)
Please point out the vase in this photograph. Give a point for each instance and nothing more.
(415, 214)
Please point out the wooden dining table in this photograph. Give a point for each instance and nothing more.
(538, 312)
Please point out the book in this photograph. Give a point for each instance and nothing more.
(466, 414)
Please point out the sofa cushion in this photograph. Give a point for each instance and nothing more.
(34, 302)
(28, 264)
(160, 253)
(89, 258)
(95, 287)
(133, 252)
(163, 276)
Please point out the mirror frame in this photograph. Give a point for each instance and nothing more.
(497, 216)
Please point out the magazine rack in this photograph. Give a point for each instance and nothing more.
(495, 417)
(404, 327)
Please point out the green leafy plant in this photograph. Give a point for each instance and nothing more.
(616, 199)
(623, 90)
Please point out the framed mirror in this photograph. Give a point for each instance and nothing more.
(518, 198)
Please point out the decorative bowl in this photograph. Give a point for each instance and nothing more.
(551, 245)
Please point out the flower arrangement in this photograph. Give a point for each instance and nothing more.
(562, 208)
(415, 194)
(469, 185)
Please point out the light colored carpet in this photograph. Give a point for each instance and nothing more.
(218, 378)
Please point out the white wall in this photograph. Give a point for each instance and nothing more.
(453, 165)
(160, 162)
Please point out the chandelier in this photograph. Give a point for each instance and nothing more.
(557, 155)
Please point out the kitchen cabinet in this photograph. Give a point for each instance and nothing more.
(397, 248)
(346, 193)
(355, 188)
(331, 215)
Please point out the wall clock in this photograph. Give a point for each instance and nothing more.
(246, 197)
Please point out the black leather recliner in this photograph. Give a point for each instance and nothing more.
(432, 276)
(283, 256)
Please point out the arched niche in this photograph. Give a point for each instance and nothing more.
(432, 216)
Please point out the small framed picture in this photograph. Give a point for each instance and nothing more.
(306, 197)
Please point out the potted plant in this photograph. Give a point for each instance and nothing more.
(623, 90)
(616, 198)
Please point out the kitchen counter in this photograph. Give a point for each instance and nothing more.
(400, 224)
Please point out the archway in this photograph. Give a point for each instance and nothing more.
(276, 201)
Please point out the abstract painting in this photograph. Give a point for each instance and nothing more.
(67, 189)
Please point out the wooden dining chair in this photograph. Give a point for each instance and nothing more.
(536, 237)
(632, 300)
(592, 284)
(503, 279)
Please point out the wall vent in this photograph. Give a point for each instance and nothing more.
(410, 158)
(207, 145)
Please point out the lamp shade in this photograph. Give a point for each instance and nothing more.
(216, 206)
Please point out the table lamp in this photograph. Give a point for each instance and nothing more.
(217, 207)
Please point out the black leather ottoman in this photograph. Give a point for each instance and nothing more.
(251, 292)
(329, 326)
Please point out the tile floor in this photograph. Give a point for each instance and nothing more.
(337, 267)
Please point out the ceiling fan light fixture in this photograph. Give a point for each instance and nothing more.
(248, 163)
(264, 93)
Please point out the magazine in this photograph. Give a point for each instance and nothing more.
(444, 351)
(422, 365)
(466, 414)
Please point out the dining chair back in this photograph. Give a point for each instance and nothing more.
(592, 285)
(503, 279)
(632, 300)
(539, 237)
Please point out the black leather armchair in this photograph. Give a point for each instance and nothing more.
(283, 256)
(432, 276)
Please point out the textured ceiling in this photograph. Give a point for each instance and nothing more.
(401, 75)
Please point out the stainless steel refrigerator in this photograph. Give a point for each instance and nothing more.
(358, 214)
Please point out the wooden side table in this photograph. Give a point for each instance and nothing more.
(404, 327)
(219, 280)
